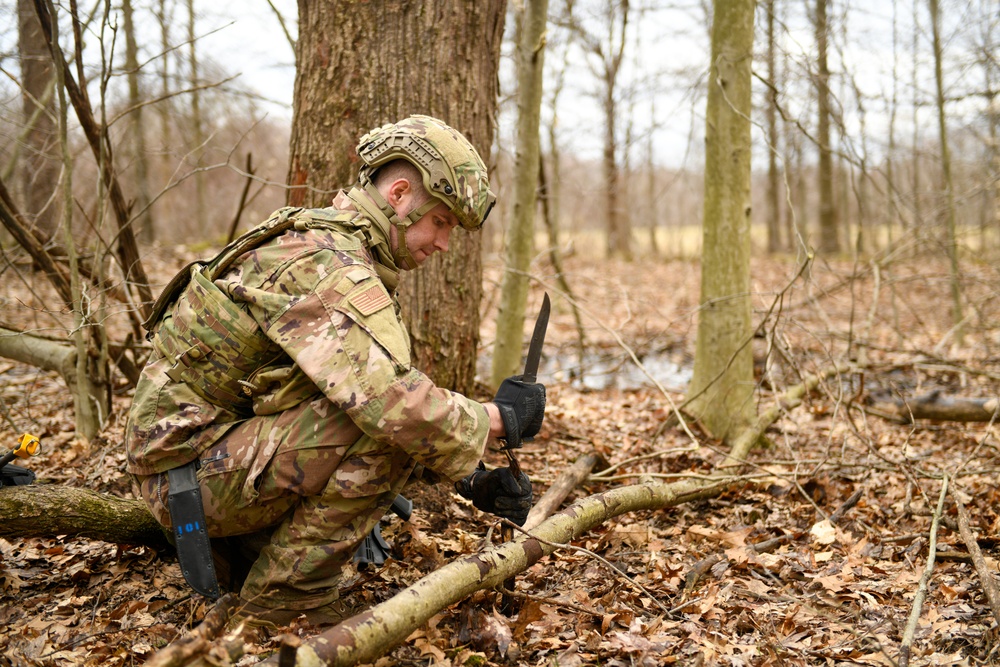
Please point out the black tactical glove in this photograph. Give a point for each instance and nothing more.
(522, 408)
(498, 492)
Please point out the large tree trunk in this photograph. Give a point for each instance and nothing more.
(722, 385)
(360, 65)
(521, 231)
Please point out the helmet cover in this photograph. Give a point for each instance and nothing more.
(451, 168)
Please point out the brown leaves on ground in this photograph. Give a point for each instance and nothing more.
(829, 593)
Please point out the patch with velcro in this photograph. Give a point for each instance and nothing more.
(348, 282)
(370, 300)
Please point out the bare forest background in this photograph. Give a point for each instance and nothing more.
(830, 168)
(624, 94)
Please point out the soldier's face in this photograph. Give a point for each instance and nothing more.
(430, 233)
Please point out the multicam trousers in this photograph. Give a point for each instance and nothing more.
(311, 474)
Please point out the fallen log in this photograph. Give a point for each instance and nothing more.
(934, 406)
(50, 510)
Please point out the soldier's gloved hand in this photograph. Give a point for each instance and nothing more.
(498, 492)
(522, 409)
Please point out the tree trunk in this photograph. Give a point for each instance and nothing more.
(360, 65)
(619, 225)
(948, 186)
(137, 131)
(100, 147)
(829, 237)
(722, 385)
(197, 128)
(40, 167)
(773, 176)
(521, 231)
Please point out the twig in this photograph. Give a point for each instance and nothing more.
(846, 506)
(985, 575)
(699, 569)
(918, 599)
(666, 452)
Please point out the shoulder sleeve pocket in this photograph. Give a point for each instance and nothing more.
(369, 305)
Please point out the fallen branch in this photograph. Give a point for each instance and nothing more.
(936, 407)
(985, 574)
(571, 478)
(906, 645)
(43, 353)
(745, 440)
(373, 633)
(198, 641)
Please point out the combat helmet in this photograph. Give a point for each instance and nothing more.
(451, 168)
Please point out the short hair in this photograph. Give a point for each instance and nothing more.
(392, 171)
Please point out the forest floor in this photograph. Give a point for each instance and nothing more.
(826, 595)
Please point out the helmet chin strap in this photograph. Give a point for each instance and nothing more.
(385, 216)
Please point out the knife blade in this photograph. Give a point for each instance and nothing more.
(537, 340)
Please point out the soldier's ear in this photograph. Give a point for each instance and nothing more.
(398, 190)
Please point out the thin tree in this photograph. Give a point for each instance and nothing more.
(137, 133)
(948, 186)
(771, 113)
(606, 54)
(721, 393)
(521, 230)
(396, 64)
(829, 236)
(197, 123)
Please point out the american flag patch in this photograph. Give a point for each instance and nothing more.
(370, 300)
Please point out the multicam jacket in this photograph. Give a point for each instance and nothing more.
(306, 312)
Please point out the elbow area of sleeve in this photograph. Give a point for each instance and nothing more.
(440, 429)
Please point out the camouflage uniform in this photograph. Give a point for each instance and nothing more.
(289, 377)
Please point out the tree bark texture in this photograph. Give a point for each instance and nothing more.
(722, 385)
(49, 510)
(521, 231)
(829, 239)
(361, 65)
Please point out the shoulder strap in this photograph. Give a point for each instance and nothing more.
(280, 222)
